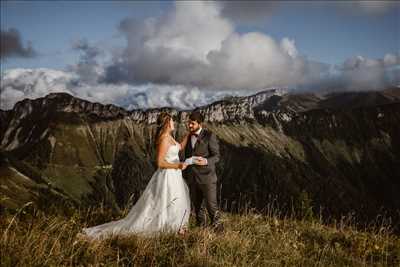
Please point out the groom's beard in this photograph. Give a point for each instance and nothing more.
(194, 130)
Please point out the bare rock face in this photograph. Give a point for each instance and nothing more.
(4, 121)
(237, 109)
(64, 102)
(341, 150)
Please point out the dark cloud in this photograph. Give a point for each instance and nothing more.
(248, 12)
(370, 8)
(89, 52)
(88, 68)
(11, 45)
(254, 12)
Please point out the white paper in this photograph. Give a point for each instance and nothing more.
(191, 160)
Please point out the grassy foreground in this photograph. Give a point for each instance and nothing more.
(32, 237)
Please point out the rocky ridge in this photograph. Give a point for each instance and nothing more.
(339, 150)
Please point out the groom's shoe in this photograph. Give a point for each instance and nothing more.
(201, 219)
(216, 224)
(217, 227)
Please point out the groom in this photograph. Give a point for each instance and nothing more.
(201, 176)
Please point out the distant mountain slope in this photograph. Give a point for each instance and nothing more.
(341, 151)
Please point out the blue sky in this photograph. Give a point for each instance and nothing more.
(331, 36)
(52, 26)
(320, 32)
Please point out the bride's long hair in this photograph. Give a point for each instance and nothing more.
(163, 122)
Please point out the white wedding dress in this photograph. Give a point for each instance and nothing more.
(164, 205)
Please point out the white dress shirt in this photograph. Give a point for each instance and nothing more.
(193, 138)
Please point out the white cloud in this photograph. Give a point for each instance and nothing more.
(363, 73)
(253, 61)
(391, 60)
(360, 73)
(194, 45)
(18, 84)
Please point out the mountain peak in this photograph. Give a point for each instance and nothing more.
(65, 102)
(234, 108)
(59, 95)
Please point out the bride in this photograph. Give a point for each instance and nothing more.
(164, 205)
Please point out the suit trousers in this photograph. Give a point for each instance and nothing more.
(208, 192)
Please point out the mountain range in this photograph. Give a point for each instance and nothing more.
(332, 153)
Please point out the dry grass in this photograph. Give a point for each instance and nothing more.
(32, 237)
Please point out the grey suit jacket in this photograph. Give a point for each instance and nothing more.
(206, 146)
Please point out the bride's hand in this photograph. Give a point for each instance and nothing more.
(182, 166)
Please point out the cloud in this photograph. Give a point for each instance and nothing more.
(152, 95)
(360, 73)
(257, 12)
(90, 52)
(356, 74)
(195, 45)
(372, 8)
(88, 68)
(253, 12)
(254, 61)
(11, 45)
(391, 60)
(248, 12)
(169, 48)
(18, 84)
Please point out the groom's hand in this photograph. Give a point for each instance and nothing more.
(201, 161)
